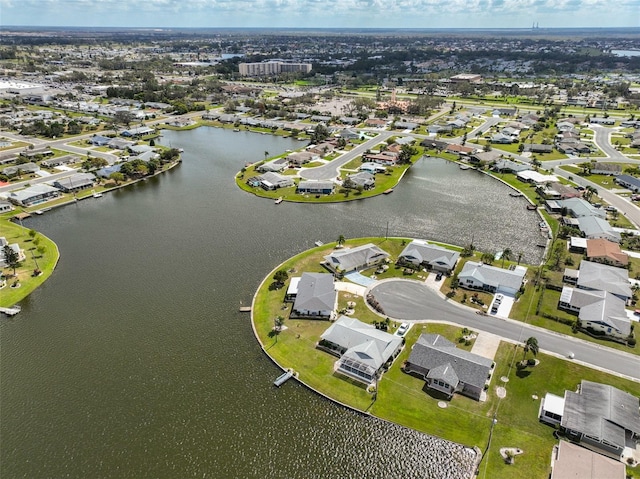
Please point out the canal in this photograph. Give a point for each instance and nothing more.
(132, 361)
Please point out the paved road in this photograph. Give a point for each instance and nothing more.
(415, 301)
(330, 170)
(602, 139)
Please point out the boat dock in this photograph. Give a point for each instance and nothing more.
(283, 378)
(12, 311)
(245, 309)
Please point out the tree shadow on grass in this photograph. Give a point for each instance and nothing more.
(523, 373)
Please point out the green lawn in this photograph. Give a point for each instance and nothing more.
(46, 259)
(401, 398)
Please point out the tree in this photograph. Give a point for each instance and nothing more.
(123, 117)
(11, 257)
(281, 276)
(406, 152)
(278, 322)
(507, 254)
(117, 177)
(266, 155)
(487, 258)
(32, 233)
(530, 345)
(341, 240)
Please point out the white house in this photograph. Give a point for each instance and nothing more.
(484, 277)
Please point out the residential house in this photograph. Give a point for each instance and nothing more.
(277, 165)
(76, 182)
(404, 140)
(607, 252)
(315, 187)
(501, 138)
(357, 258)
(22, 169)
(571, 461)
(504, 112)
(602, 277)
(597, 310)
(485, 157)
(136, 150)
(108, 170)
(551, 409)
(34, 195)
(405, 125)
(372, 168)
(387, 158)
(99, 140)
(630, 182)
(557, 191)
(5, 207)
(60, 161)
(538, 148)
(349, 134)
(271, 181)
(593, 227)
(462, 150)
(480, 276)
(299, 158)
(447, 369)
(362, 349)
(578, 244)
(316, 297)
(507, 166)
(349, 120)
(430, 256)
(15, 247)
(530, 176)
(601, 417)
(578, 208)
(602, 121)
(375, 123)
(362, 179)
(120, 144)
(573, 148)
(137, 132)
(433, 143)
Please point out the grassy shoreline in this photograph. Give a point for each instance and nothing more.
(401, 398)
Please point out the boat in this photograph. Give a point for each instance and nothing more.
(278, 201)
(532, 207)
(96, 195)
(38, 212)
(541, 245)
(515, 195)
(318, 243)
(464, 167)
(386, 192)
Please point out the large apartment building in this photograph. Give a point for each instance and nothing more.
(272, 68)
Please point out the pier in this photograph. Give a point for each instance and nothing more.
(283, 378)
(12, 311)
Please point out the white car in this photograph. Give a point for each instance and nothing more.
(404, 327)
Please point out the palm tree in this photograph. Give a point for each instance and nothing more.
(341, 240)
(507, 254)
(530, 345)
(266, 155)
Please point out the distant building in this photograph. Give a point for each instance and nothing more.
(466, 78)
(272, 68)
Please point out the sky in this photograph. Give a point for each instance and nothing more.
(322, 13)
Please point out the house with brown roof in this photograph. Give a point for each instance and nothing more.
(605, 251)
(460, 149)
(375, 123)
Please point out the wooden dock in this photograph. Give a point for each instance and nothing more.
(12, 311)
(245, 309)
(283, 378)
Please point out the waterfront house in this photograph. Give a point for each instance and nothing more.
(447, 369)
(571, 461)
(315, 187)
(601, 417)
(358, 258)
(15, 247)
(120, 144)
(593, 227)
(22, 169)
(34, 195)
(430, 256)
(362, 179)
(530, 176)
(107, 170)
(272, 181)
(372, 168)
(508, 166)
(579, 208)
(315, 297)
(607, 252)
(137, 132)
(480, 276)
(76, 182)
(277, 165)
(5, 206)
(299, 158)
(362, 349)
(485, 157)
(557, 191)
(387, 158)
(596, 276)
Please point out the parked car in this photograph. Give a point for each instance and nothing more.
(404, 327)
(438, 276)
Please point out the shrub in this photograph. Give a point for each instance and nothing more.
(631, 341)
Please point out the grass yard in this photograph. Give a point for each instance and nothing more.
(403, 399)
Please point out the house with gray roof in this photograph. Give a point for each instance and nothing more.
(509, 166)
(34, 195)
(60, 160)
(448, 369)
(593, 227)
(362, 179)
(601, 417)
(363, 350)
(315, 298)
(578, 208)
(273, 181)
(277, 165)
(76, 182)
(602, 277)
(358, 258)
(23, 169)
(315, 187)
(480, 276)
(597, 310)
(430, 256)
(629, 182)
